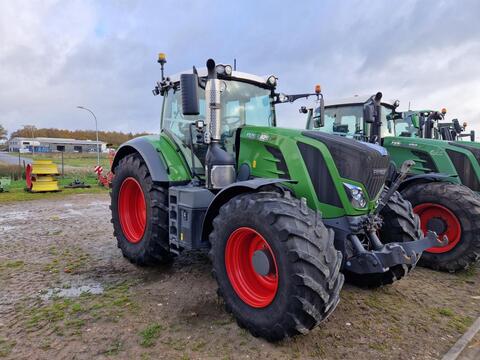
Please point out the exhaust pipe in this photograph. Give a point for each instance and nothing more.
(219, 165)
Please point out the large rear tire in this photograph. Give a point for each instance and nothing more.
(301, 280)
(452, 210)
(400, 224)
(139, 213)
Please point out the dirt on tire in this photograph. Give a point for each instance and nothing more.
(67, 293)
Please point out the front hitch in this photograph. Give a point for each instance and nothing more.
(385, 256)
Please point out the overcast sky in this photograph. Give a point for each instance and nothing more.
(55, 55)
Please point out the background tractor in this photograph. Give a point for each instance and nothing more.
(428, 124)
(440, 183)
(221, 176)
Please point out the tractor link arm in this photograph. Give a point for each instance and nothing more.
(407, 164)
(388, 255)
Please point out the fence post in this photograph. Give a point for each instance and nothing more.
(62, 166)
(19, 166)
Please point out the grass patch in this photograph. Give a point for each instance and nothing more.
(150, 334)
(374, 301)
(11, 264)
(460, 323)
(68, 316)
(80, 160)
(68, 260)
(17, 192)
(6, 347)
(378, 346)
(199, 345)
(445, 312)
(468, 273)
(114, 348)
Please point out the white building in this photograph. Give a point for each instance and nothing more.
(41, 144)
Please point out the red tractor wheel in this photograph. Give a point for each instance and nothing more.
(452, 210)
(139, 213)
(132, 210)
(246, 252)
(275, 263)
(440, 219)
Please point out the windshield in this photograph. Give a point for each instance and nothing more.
(242, 104)
(388, 125)
(405, 127)
(348, 121)
(344, 120)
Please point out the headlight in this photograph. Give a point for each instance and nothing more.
(223, 69)
(356, 196)
(220, 69)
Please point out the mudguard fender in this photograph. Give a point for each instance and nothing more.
(229, 192)
(149, 154)
(424, 178)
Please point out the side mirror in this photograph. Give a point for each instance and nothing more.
(369, 112)
(317, 123)
(319, 115)
(189, 88)
(456, 126)
(415, 121)
(421, 122)
(472, 135)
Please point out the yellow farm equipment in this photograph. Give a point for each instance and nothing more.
(41, 176)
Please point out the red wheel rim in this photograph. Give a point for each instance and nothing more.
(28, 176)
(453, 228)
(254, 289)
(132, 210)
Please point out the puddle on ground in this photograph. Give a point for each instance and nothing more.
(73, 290)
(7, 228)
(14, 215)
(99, 203)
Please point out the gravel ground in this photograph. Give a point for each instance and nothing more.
(66, 292)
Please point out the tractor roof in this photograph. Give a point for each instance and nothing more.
(202, 72)
(354, 100)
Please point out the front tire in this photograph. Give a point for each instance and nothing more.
(452, 210)
(139, 213)
(301, 280)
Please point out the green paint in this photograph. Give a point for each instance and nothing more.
(170, 155)
(253, 151)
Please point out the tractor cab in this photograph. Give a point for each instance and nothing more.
(245, 100)
(344, 117)
(428, 124)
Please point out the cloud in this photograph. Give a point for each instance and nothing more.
(57, 55)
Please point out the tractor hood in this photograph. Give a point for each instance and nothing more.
(363, 162)
(461, 160)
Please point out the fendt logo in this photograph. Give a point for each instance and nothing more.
(379, 171)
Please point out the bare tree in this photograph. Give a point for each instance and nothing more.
(3, 133)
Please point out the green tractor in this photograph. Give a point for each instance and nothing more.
(427, 124)
(439, 185)
(284, 213)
